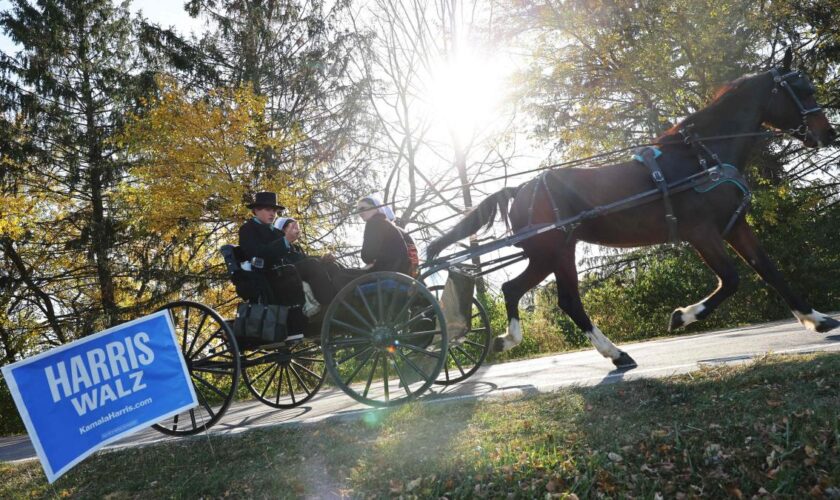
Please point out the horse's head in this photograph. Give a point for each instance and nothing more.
(792, 106)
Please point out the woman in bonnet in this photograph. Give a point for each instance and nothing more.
(384, 246)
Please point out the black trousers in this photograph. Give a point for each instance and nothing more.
(319, 275)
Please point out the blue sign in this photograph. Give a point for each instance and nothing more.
(78, 397)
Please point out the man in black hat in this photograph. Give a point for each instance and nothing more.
(264, 248)
(261, 243)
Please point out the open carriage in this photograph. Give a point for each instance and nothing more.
(383, 340)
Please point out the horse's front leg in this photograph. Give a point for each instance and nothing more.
(568, 299)
(711, 249)
(513, 291)
(743, 240)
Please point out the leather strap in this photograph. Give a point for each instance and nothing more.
(648, 156)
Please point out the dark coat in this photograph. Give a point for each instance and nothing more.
(264, 241)
(296, 254)
(384, 245)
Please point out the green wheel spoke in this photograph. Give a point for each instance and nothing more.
(412, 365)
(359, 367)
(385, 378)
(351, 356)
(203, 401)
(279, 386)
(304, 368)
(380, 306)
(303, 385)
(339, 343)
(204, 344)
(470, 342)
(356, 313)
(403, 382)
(372, 372)
(367, 305)
(267, 368)
(197, 334)
(209, 386)
(291, 389)
(407, 305)
(352, 328)
(186, 330)
(417, 349)
(418, 334)
(465, 353)
(209, 369)
(416, 317)
(311, 360)
(458, 364)
(267, 386)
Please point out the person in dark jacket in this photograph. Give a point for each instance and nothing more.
(413, 255)
(383, 247)
(317, 271)
(264, 248)
(261, 243)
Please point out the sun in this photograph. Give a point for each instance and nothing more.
(466, 92)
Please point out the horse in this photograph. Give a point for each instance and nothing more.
(716, 139)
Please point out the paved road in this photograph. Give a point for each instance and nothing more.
(656, 358)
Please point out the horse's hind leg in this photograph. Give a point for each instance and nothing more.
(538, 268)
(743, 240)
(568, 298)
(711, 249)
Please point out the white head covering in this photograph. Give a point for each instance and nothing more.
(281, 221)
(382, 209)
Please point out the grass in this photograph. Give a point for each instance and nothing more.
(771, 428)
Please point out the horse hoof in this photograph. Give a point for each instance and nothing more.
(624, 362)
(498, 344)
(827, 324)
(676, 320)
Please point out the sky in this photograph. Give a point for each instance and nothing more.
(167, 13)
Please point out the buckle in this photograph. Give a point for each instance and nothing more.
(714, 174)
(657, 176)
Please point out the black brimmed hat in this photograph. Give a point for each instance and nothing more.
(265, 199)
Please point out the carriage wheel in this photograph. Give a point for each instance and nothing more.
(284, 377)
(384, 339)
(212, 358)
(467, 353)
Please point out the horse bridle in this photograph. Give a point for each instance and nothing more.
(801, 82)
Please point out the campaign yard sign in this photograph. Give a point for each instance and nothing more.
(78, 397)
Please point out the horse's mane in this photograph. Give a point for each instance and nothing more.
(708, 113)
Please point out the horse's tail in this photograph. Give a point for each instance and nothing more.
(482, 215)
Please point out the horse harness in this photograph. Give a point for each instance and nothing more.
(704, 181)
(715, 175)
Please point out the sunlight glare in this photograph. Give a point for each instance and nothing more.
(465, 93)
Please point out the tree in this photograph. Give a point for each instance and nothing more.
(65, 93)
(296, 55)
(611, 74)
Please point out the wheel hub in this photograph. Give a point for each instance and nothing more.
(384, 338)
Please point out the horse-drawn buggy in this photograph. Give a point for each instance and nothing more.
(385, 338)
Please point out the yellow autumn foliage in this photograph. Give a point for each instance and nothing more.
(197, 159)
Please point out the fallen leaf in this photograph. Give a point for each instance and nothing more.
(615, 457)
(413, 484)
(396, 486)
